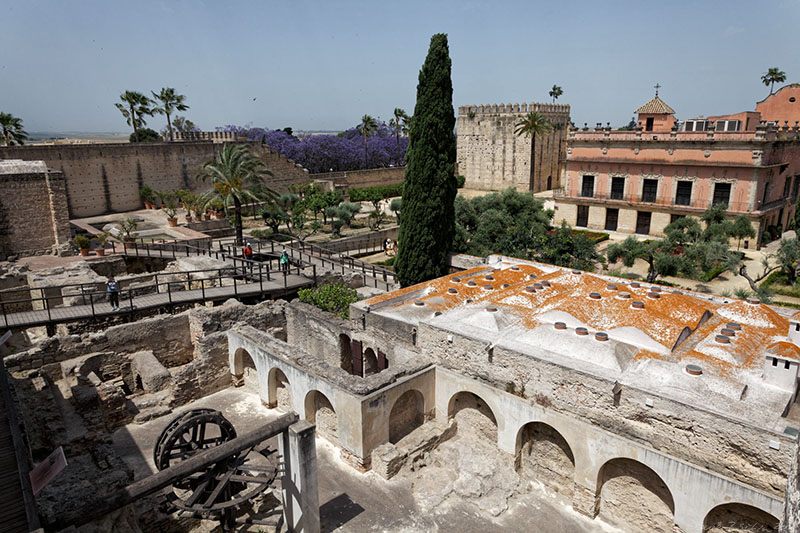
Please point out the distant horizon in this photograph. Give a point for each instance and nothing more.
(318, 66)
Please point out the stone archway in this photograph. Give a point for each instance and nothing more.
(633, 497)
(542, 454)
(244, 368)
(370, 362)
(319, 411)
(473, 415)
(280, 393)
(345, 354)
(739, 518)
(407, 414)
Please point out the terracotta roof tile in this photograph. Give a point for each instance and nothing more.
(656, 106)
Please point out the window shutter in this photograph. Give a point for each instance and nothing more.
(383, 364)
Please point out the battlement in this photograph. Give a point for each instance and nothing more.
(494, 109)
(213, 136)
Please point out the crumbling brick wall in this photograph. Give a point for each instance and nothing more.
(33, 214)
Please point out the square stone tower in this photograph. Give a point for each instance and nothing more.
(492, 157)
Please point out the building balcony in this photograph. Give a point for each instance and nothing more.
(770, 132)
(636, 202)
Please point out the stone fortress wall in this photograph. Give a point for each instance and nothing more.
(357, 179)
(492, 157)
(33, 209)
(102, 178)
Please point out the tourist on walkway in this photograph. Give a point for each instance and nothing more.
(113, 293)
(284, 261)
(247, 253)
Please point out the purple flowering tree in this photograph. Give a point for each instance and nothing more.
(326, 153)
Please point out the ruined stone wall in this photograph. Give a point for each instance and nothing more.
(33, 214)
(356, 179)
(791, 513)
(686, 432)
(103, 178)
(492, 157)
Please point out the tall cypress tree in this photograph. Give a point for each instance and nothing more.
(427, 220)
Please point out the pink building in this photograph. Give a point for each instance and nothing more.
(641, 180)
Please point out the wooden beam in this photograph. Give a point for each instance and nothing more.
(151, 484)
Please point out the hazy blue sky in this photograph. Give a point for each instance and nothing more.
(323, 64)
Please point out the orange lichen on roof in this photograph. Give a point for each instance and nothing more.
(759, 326)
(663, 318)
(785, 349)
(432, 284)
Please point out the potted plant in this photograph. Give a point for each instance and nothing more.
(102, 239)
(158, 199)
(147, 196)
(171, 211)
(189, 202)
(128, 226)
(82, 243)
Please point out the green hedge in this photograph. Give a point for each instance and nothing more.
(779, 284)
(711, 274)
(596, 236)
(331, 297)
(370, 194)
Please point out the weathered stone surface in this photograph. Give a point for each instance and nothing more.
(148, 373)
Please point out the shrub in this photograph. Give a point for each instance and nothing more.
(145, 135)
(370, 194)
(596, 236)
(331, 297)
(460, 181)
(713, 273)
(82, 242)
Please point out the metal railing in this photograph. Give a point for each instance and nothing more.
(312, 253)
(91, 295)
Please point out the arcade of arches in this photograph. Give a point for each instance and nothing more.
(629, 494)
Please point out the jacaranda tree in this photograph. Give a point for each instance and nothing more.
(427, 221)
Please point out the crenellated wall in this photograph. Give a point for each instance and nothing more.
(491, 156)
(102, 178)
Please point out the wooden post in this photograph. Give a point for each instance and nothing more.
(298, 448)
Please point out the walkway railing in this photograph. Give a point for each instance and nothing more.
(163, 289)
(315, 254)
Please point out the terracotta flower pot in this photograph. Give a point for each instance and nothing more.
(100, 251)
(207, 216)
(84, 251)
(188, 219)
(173, 222)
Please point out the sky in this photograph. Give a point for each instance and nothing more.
(321, 65)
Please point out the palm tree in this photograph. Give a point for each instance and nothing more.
(399, 123)
(134, 107)
(233, 173)
(170, 102)
(12, 130)
(367, 125)
(773, 75)
(533, 125)
(555, 92)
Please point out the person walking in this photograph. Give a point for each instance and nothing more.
(247, 253)
(284, 261)
(112, 288)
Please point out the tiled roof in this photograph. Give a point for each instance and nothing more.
(656, 106)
